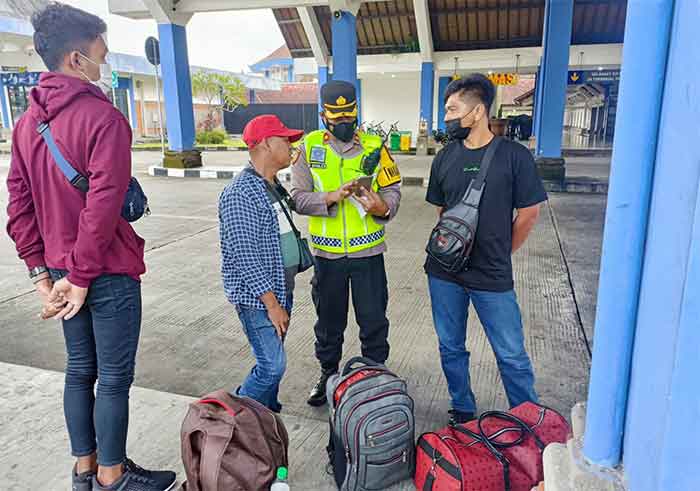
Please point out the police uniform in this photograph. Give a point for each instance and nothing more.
(348, 243)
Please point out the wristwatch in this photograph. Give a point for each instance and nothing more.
(36, 271)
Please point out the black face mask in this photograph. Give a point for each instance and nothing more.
(455, 130)
(342, 131)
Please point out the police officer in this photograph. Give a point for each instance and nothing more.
(349, 185)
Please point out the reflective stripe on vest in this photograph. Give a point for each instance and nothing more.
(347, 232)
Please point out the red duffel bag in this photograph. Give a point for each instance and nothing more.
(499, 451)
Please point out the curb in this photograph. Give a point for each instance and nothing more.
(575, 185)
(204, 173)
(197, 147)
(568, 186)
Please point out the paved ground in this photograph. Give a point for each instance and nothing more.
(192, 342)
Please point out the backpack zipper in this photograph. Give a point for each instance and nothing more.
(357, 429)
(370, 438)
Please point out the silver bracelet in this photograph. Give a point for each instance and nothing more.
(37, 270)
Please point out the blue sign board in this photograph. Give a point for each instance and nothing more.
(578, 77)
(28, 79)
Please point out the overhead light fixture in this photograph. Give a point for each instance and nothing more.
(490, 72)
(600, 68)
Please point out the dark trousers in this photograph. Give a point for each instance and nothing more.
(101, 343)
(330, 291)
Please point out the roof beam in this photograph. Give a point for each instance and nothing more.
(138, 9)
(488, 8)
(425, 34)
(312, 27)
(165, 12)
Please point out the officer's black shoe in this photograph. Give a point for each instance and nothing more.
(317, 397)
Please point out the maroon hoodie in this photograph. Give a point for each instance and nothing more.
(51, 222)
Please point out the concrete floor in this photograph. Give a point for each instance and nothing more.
(192, 342)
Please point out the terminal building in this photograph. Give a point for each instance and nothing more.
(135, 94)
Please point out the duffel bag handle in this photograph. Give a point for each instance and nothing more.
(359, 359)
(522, 425)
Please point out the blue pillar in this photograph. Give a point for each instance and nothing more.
(132, 103)
(427, 93)
(645, 51)
(558, 17)
(5, 107)
(443, 82)
(290, 74)
(537, 103)
(177, 86)
(666, 358)
(322, 79)
(344, 30)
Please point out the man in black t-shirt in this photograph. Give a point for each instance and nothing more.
(512, 184)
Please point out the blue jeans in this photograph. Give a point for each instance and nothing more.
(263, 381)
(499, 313)
(101, 342)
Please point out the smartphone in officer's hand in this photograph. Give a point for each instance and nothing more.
(363, 182)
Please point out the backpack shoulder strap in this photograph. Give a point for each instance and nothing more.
(76, 179)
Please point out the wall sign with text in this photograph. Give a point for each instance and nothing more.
(504, 78)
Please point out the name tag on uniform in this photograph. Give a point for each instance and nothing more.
(317, 159)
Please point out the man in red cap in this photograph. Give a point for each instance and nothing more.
(260, 254)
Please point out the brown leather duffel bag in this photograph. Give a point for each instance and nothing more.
(232, 443)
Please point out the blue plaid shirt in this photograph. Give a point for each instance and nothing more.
(251, 254)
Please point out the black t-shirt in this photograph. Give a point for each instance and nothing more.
(512, 183)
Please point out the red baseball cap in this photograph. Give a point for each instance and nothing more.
(265, 126)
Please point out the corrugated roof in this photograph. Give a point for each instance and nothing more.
(390, 27)
(138, 65)
(21, 9)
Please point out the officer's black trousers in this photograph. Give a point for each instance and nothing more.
(331, 286)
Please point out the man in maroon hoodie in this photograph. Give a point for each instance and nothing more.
(84, 259)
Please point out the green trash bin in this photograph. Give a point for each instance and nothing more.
(395, 142)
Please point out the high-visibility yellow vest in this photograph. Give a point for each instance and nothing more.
(348, 231)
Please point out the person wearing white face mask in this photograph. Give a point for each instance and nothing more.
(105, 80)
(84, 259)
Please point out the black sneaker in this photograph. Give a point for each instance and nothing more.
(459, 417)
(164, 480)
(82, 481)
(134, 481)
(317, 397)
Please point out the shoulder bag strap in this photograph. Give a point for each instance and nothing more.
(477, 183)
(486, 161)
(74, 177)
(284, 208)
